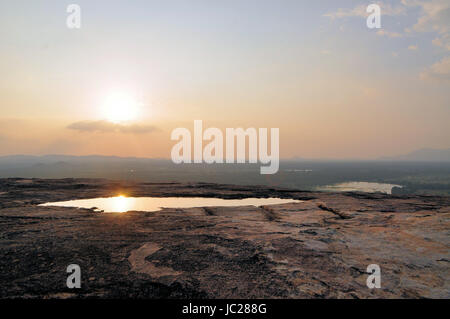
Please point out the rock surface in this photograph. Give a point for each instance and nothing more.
(319, 248)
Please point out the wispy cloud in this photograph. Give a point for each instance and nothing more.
(389, 34)
(108, 127)
(434, 17)
(360, 11)
(439, 71)
(443, 41)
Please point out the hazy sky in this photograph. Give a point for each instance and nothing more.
(335, 88)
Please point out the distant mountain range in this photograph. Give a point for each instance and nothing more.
(421, 172)
(52, 159)
(423, 155)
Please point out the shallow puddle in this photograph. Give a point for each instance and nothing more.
(359, 187)
(121, 204)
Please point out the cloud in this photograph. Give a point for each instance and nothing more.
(439, 71)
(360, 11)
(389, 34)
(434, 17)
(108, 127)
(413, 47)
(443, 41)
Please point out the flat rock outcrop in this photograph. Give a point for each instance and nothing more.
(317, 248)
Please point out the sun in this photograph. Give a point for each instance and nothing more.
(120, 107)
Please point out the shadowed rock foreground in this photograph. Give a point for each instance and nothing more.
(319, 248)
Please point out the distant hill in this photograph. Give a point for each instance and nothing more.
(423, 155)
(53, 159)
(418, 174)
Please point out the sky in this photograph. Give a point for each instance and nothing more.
(335, 88)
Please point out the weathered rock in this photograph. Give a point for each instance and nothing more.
(319, 248)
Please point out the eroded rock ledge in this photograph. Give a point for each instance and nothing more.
(318, 248)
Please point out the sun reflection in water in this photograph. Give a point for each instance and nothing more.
(121, 204)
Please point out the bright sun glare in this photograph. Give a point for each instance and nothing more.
(121, 204)
(120, 107)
